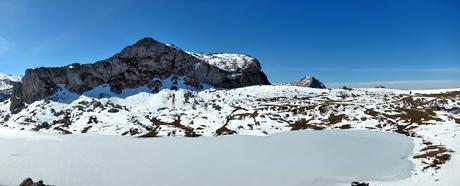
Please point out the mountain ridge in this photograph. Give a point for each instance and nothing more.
(135, 66)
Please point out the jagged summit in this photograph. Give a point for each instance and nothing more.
(147, 62)
(308, 81)
(146, 41)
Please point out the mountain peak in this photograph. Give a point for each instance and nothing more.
(308, 81)
(146, 41)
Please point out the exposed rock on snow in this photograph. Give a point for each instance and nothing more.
(27, 182)
(30, 182)
(308, 81)
(359, 184)
(135, 66)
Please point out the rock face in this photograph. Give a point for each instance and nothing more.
(308, 81)
(136, 66)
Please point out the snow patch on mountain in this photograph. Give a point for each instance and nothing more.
(10, 77)
(227, 62)
(6, 85)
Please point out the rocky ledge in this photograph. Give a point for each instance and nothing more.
(138, 65)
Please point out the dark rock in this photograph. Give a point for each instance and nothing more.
(44, 125)
(39, 183)
(16, 98)
(113, 110)
(155, 85)
(359, 184)
(97, 104)
(133, 67)
(27, 182)
(30, 182)
(92, 119)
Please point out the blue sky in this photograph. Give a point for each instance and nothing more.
(336, 41)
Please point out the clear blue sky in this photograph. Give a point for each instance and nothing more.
(337, 41)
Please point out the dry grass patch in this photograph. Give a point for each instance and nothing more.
(334, 119)
(444, 95)
(63, 131)
(303, 125)
(224, 131)
(189, 131)
(433, 156)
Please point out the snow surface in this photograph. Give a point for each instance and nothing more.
(289, 159)
(6, 81)
(255, 111)
(448, 135)
(10, 77)
(228, 62)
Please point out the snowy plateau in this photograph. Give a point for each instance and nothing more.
(256, 135)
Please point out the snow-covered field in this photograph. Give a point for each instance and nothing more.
(290, 159)
(430, 118)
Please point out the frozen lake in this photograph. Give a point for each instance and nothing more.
(290, 159)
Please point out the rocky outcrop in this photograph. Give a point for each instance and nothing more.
(30, 182)
(133, 67)
(308, 81)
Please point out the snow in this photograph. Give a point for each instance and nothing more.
(228, 62)
(294, 158)
(6, 81)
(447, 175)
(251, 111)
(7, 134)
(10, 77)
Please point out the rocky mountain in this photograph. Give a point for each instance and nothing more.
(308, 81)
(147, 62)
(6, 85)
